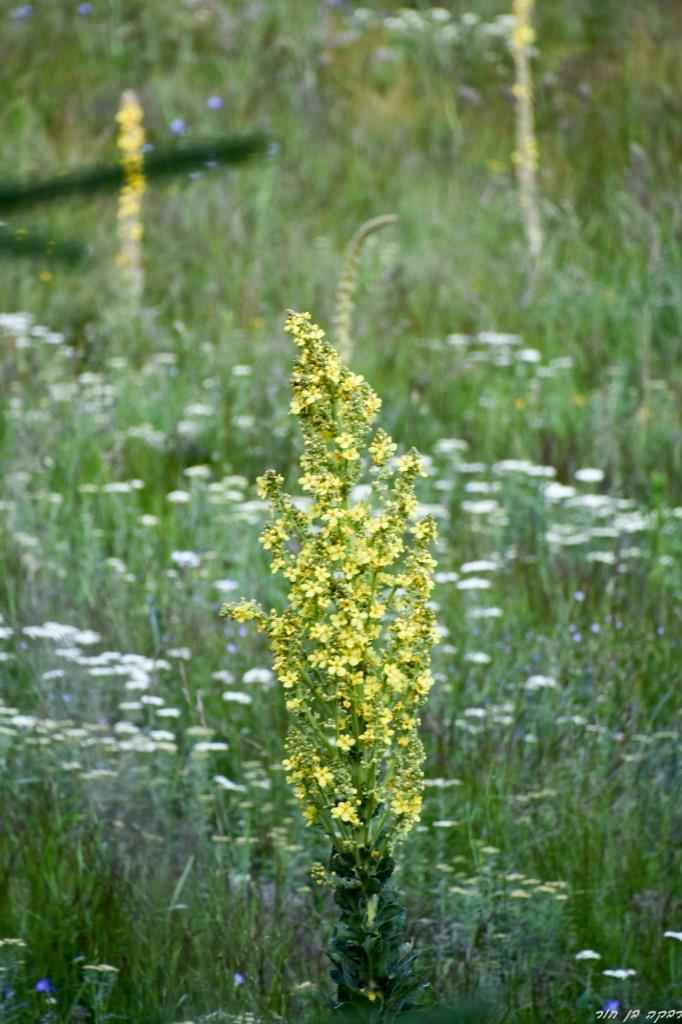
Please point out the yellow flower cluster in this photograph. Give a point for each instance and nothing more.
(130, 229)
(352, 647)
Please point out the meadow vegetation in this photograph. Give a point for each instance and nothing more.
(154, 864)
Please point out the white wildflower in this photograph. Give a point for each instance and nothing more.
(178, 497)
(589, 475)
(237, 697)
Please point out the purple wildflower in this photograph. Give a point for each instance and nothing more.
(45, 985)
(239, 979)
(84, 9)
(214, 102)
(25, 11)
(178, 126)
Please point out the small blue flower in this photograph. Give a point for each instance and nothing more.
(239, 979)
(23, 12)
(595, 627)
(84, 9)
(579, 596)
(612, 1004)
(178, 126)
(45, 985)
(214, 102)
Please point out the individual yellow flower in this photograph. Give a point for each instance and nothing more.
(345, 742)
(323, 777)
(382, 448)
(310, 814)
(345, 811)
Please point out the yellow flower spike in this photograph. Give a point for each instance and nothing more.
(351, 654)
(130, 229)
(525, 158)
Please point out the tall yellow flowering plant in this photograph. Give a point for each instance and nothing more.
(526, 154)
(352, 652)
(130, 227)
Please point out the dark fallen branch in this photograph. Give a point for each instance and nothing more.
(219, 152)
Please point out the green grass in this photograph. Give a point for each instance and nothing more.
(138, 858)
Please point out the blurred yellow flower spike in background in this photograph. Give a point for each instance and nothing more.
(526, 155)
